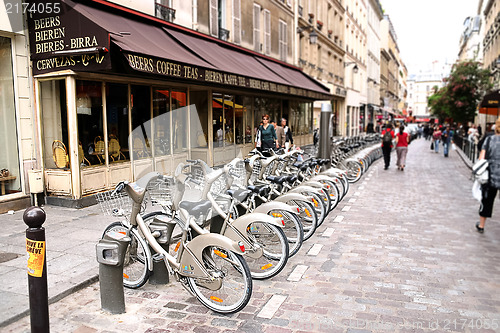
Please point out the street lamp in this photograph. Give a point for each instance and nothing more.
(354, 69)
(313, 35)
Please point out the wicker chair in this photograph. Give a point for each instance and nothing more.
(99, 149)
(114, 149)
(60, 154)
(81, 156)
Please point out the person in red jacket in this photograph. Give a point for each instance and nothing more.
(402, 139)
(387, 137)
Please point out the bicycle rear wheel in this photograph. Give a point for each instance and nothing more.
(274, 244)
(136, 268)
(236, 289)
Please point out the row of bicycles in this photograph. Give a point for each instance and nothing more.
(218, 229)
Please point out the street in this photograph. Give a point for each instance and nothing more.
(400, 253)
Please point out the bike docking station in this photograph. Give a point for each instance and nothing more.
(161, 228)
(110, 252)
(34, 217)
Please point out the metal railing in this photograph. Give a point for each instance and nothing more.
(468, 147)
(165, 13)
(224, 34)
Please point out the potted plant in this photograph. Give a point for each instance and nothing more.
(330, 32)
(311, 17)
(320, 24)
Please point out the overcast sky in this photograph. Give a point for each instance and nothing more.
(428, 30)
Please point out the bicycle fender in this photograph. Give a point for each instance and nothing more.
(190, 264)
(242, 223)
(272, 205)
(292, 196)
(312, 183)
(304, 188)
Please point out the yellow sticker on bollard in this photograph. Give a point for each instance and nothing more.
(36, 257)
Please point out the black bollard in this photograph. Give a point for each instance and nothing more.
(34, 217)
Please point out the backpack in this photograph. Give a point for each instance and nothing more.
(387, 138)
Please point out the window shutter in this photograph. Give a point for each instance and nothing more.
(267, 32)
(256, 27)
(236, 22)
(285, 41)
(214, 18)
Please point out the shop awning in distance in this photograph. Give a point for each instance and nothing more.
(92, 35)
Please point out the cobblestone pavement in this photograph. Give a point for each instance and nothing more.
(399, 254)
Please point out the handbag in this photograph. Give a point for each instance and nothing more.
(432, 145)
(480, 171)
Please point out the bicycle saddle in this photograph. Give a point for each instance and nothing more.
(277, 179)
(239, 194)
(196, 208)
(291, 179)
(260, 190)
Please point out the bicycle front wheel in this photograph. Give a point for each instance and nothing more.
(274, 245)
(236, 288)
(307, 217)
(293, 229)
(136, 268)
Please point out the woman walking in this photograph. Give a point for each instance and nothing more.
(491, 152)
(267, 134)
(437, 138)
(402, 139)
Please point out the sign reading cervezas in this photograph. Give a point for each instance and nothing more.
(56, 42)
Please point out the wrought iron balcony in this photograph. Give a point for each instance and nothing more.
(165, 13)
(224, 34)
(301, 10)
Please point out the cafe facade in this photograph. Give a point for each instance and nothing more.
(119, 93)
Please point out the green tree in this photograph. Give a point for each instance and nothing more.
(466, 85)
(438, 103)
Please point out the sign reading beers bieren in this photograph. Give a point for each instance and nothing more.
(66, 39)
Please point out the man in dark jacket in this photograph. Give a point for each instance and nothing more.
(387, 145)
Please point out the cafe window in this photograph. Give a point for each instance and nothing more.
(269, 106)
(218, 120)
(180, 126)
(117, 122)
(244, 123)
(199, 118)
(91, 142)
(161, 121)
(9, 158)
(54, 124)
(140, 102)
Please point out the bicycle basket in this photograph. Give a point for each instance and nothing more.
(257, 166)
(240, 171)
(219, 185)
(114, 204)
(161, 191)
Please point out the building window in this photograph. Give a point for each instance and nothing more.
(283, 45)
(9, 158)
(237, 21)
(267, 32)
(214, 18)
(256, 28)
(140, 103)
(117, 122)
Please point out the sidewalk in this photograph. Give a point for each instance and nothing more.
(71, 236)
(399, 254)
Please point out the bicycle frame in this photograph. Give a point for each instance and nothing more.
(189, 257)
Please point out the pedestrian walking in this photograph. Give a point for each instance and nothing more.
(402, 140)
(436, 137)
(268, 134)
(280, 135)
(387, 137)
(446, 138)
(491, 152)
(288, 134)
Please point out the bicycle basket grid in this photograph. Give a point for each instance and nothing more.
(161, 191)
(257, 166)
(241, 173)
(114, 204)
(269, 168)
(219, 185)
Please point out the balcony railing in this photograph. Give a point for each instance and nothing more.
(301, 11)
(223, 34)
(165, 13)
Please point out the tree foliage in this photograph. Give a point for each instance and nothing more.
(463, 90)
